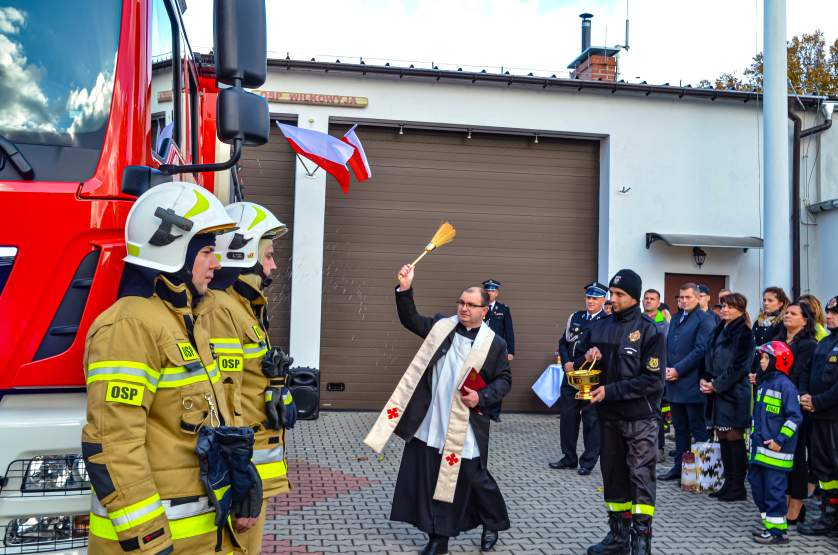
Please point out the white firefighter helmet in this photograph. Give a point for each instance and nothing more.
(165, 218)
(241, 249)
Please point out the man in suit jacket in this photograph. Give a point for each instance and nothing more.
(424, 424)
(690, 332)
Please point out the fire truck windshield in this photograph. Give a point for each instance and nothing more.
(57, 61)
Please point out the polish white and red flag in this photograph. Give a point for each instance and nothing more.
(359, 164)
(330, 153)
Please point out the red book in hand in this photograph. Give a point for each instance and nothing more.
(473, 381)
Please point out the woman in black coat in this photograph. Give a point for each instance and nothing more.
(725, 382)
(799, 334)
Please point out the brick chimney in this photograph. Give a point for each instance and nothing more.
(594, 63)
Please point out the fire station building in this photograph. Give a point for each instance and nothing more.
(550, 183)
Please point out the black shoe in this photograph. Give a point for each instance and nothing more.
(826, 523)
(436, 546)
(674, 473)
(767, 538)
(617, 541)
(735, 493)
(583, 471)
(495, 418)
(562, 464)
(722, 490)
(488, 539)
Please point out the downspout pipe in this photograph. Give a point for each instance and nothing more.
(798, 134)
(795, 204)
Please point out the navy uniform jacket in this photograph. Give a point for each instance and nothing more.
(633, 362)
(499, 318)
(777, 416)
(821, 381)
(578, 322)
(686, 345)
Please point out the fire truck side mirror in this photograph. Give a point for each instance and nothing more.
(242, 115)
(239, 33)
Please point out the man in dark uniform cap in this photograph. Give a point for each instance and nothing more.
(631, 353)
(572, 410)
(499, 318)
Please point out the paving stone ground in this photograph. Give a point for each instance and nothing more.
(342, 496)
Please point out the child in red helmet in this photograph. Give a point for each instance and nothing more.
(773, 437)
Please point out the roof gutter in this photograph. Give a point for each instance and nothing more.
(530, 80)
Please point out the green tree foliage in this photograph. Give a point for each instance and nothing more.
(812, 68)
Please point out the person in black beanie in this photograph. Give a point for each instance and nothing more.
(631, 353)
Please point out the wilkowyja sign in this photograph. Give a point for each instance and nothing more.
(283, 97)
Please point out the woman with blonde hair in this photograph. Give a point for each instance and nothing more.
(820, 315)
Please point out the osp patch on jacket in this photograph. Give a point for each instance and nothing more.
(187, 351)
(126, 393)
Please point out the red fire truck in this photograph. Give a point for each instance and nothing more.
(100, 100)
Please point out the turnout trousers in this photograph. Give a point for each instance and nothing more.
(768, 487)
(823, 455)
(628, 458)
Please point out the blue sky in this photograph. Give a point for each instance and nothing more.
(671, 40)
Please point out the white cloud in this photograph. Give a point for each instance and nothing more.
(24, 105)
(670, 41)
(88, 108)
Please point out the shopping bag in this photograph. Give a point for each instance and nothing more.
(708, 462)
(689, 472)
(548, 385)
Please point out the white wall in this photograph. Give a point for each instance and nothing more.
(693, 165)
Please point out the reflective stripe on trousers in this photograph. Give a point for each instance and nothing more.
(270, 463)
(186, 520)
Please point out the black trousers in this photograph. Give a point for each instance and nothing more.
(629, 455)
(688, 420)
(572, 413)
(799, 476)
(823, 444)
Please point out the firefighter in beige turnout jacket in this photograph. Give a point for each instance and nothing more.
(233, 315)
(152, 384)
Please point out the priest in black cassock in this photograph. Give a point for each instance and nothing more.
(444, 486)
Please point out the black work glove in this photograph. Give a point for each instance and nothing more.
(248, 504)
(276, 363)
(280, 408)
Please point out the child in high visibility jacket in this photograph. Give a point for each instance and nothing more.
(777, 417)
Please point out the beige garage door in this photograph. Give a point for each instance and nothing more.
(268, 175)
(525, 213)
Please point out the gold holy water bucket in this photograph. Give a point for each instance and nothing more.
(584, 380)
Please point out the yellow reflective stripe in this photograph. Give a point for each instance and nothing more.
(179, 376)
(254, 350)
(273, 470)
(643, 509)
(618, 507)
(788, 432)
(832, 484)
(101, 527)
(180, 529)
(773, 462)
(226, 345)
(771, 401)
(192, 526)
(137, 513)
(124, 370)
